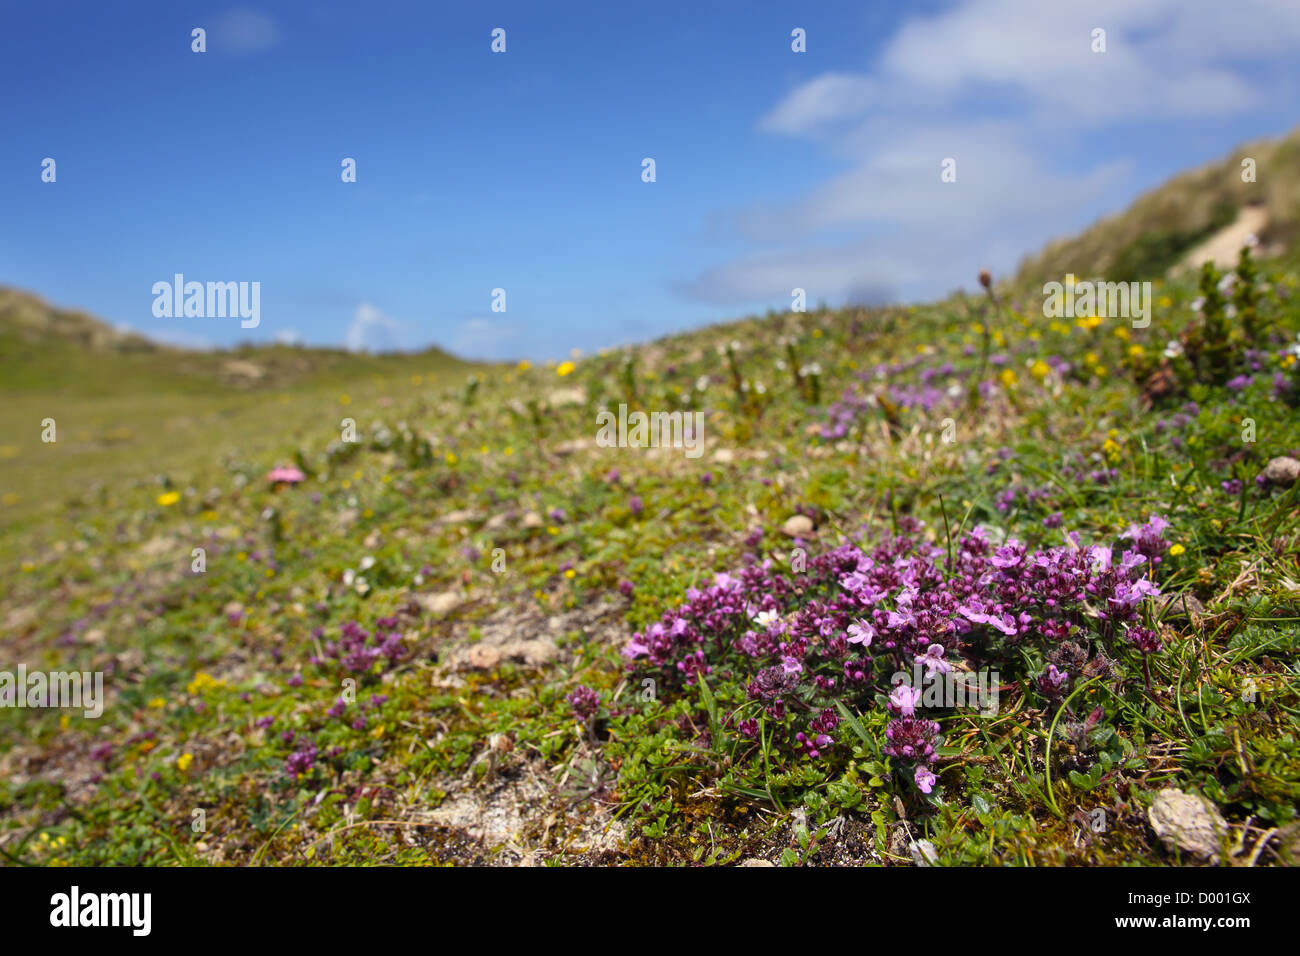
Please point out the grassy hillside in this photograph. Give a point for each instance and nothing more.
(129, 410)
(475, 634)
(1150, 237)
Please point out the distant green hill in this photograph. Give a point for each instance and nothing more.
(45, 348)
(1153, 234)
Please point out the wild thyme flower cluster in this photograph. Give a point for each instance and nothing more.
(357, 650)
(802, 642)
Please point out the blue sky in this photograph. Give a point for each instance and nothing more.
(522, 170)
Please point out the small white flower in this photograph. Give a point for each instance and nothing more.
(367, 563)
(1198, 303)
(1173, 349)
(348, 577)
(765, 619)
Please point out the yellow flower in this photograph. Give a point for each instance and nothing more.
(345, 400)
(1111, 449)
(565, 368)
(451, 458)
(570, 573)
(1164, 302)
(168, 498)
(202, 681)
(1122, 333)
(1176, 550)
(1089, 322)
(1008, 378)
(157, 703)
(525, 365)
(183, 762)
(1136, 351)
(1090, 359)
(1100, 371)
(1039, 369)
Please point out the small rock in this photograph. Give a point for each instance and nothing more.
(1187, 822)
(924, 853)
(796, 526)
(755, 861)
(1288, 842)
(373, 541)
(532, 520)
(724, 455)
(441, 603)
(1282, 472)
(566, 448)
(1182, 607)
(563, 397)
(534, 653)
(483, 657)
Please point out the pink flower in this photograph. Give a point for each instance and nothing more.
(861, 632)
(933, 660)
(905, 698)
(925, 780)
(284, 476)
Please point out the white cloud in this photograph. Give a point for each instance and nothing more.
(820, 102)
(372, 331)
(1011, 90)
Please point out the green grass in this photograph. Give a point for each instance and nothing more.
(474, 759)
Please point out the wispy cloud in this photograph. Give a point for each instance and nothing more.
(372, 331)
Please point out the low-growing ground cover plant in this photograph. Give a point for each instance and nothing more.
(473, 634)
